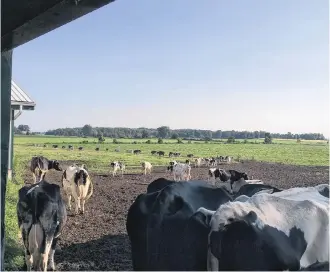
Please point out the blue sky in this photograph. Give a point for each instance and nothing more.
(211, 64)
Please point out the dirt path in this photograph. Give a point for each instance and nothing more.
(97, 240)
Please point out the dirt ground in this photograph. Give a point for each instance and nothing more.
(97, 240)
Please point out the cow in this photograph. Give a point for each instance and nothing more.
(63, 146)
(161, 153)
(218, 173)
(188, 162)
(153, 152)
(235, 185)
(71, 147)
(55, 146)
(137, 151)
(181, 171)
(97, 149)
(286, 230)
(190, 155)
(76, 182)
(116, 165)
(228, 159)
(235, 175)
(40, 165)
(146, 166)
(170, 154)
(107, 149)
(45, 145)
(80, 148)
(251, 189)
(41, 216)
(198, 162)
(158, 185)
(158, 229)
(170, 167)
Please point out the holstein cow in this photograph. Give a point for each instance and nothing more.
(161, 153)
(170, 167)
(198, 162)
(158, 185)
(146, 166)
(76, 182)
(41, 215)
(116, 165)
(181, 171)
(237, 184)
(157, 226)
(40, 166)
(288, 230)
(251, 189)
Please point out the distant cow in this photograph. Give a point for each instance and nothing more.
(107, 149)
(116, 165)
(45, 145)
(146, 166)
(80, 148)
(161, 153)
(190, 155)
(188, 162)
(97, 149)
(41, 215)
(181, 171)
(55, 146)
(76, 182)
(63, 146)
(71, 147)
(40, 166)
(219, 173)
(235, 175)
(198, 162)
(153, 152)
(137, 151)
(228, 159)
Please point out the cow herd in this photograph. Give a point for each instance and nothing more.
(188, 225)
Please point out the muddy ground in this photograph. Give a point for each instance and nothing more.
(97, 240)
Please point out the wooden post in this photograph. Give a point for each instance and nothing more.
(6, 65)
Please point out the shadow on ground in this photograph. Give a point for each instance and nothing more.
(110, 252)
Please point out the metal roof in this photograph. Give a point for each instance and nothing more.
(19, 97)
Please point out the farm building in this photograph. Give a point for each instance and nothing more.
(20, 102)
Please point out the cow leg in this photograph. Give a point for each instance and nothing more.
(28, 255)
(82, 206)
(77, 205)
(34, 178)
(51, 265)
(45, 252)
(69, 202)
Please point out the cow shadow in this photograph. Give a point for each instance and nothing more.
(110, 252)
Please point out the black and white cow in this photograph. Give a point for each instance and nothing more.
(40, 165)
(80, 148)
(157, 226)
(41, 215)
(76, 182)
(153, 152)
(161, 153)
(288, 230)
(158, 185)
(117, 165)
(137, 151)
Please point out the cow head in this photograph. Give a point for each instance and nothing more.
(55, 165)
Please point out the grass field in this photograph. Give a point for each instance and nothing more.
(308, 153)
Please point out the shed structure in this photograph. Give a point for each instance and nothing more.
(20, 101)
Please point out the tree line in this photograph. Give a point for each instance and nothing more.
(165, 132)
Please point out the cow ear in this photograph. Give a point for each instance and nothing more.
(251, 217)
(202, 218)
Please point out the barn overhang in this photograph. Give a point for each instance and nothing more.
(25, 20)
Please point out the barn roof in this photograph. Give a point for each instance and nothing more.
(20, 98)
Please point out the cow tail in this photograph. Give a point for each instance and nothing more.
(91, 192)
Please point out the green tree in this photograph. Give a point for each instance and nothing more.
(160, 140)
(175, 136)
(87, 130)
(231, 140)
(268, 138)
(145, 134)
(163, 132)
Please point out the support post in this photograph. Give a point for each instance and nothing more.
(11, 145)
(6, 65)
